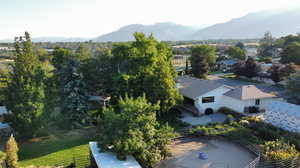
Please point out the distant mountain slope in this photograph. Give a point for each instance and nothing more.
(278, 22)
(161, 31)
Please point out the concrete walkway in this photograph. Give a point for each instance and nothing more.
(203, 120)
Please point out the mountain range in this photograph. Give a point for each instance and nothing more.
(279, 22)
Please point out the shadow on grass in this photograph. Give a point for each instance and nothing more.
(54, 143)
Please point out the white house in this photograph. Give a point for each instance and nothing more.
(209, 96)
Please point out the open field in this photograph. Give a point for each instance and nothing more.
(220, 153)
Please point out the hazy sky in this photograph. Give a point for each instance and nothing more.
(90, 18)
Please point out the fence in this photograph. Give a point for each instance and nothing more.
(288, 163)
(255, 151)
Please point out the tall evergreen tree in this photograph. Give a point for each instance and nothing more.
(200, 60)
(251, 68)
(12, 149)
(25, 90)
(71, 89)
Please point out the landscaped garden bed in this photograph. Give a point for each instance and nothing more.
(253, 131)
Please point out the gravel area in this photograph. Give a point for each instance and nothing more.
(220, 154)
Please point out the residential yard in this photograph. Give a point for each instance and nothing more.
(59, 148)
(185, 153)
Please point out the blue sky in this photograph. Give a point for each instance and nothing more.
(90, 18)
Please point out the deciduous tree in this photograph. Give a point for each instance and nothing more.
(293, 87)
(135, 131)
(236, 52)
(144, 66)
(291, 54)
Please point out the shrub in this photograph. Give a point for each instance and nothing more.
(227, 111)
(278, 150)
(229, 119)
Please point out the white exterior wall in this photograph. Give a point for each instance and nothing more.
(239, 105)
(225, 101)
(217, 93)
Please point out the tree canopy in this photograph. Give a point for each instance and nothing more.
(25, 90)
(291, 53)
(131, 127)
(236, 52)
(202, 56)
(293, 87)
(144, 66)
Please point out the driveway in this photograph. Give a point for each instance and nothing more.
(204, 119)
(262, 86)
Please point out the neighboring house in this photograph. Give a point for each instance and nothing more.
(109, 159)
(208, 96)
(226, 65)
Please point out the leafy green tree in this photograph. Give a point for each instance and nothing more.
(2, 158)
(293, 87)
(12, 149)
(236, 52)
(25, 90)
(200, 60)
(135, 131)
(251, 68)
(98, 72)
(144, 66)
(240, 45)
(291, 53)
(83, 52)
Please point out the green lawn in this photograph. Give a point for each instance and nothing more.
(57, 149)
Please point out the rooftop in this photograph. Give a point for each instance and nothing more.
(193, 87)
(248, 92)
(109, 159)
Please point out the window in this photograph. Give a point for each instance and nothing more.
(208, 99)
(257, 102)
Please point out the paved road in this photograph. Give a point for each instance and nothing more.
(262, 86)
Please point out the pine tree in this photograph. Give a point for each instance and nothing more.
(200, 60)
(71, 89)
(25, 90)
(12, 152)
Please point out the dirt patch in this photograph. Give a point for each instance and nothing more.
(220, 154)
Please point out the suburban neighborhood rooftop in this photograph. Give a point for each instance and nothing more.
(248, 92)
(192, 87)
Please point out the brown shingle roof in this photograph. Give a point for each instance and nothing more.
(248, 92)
